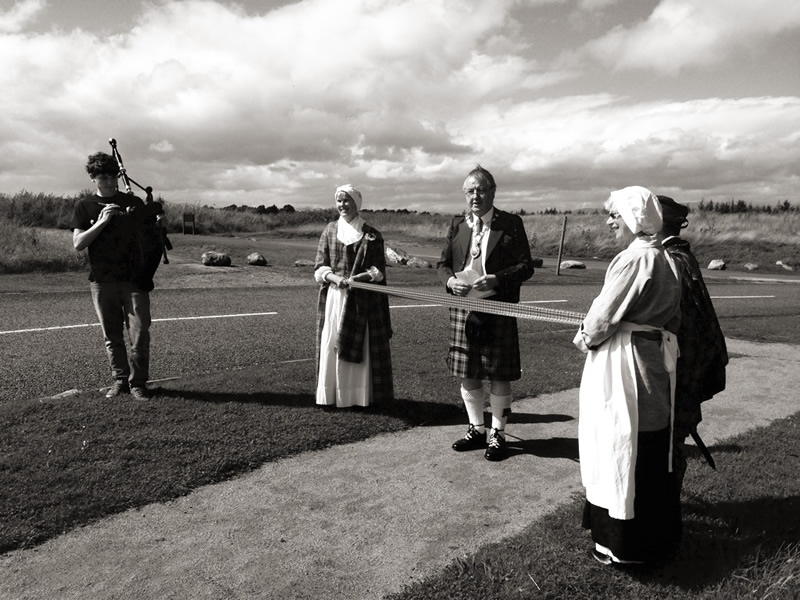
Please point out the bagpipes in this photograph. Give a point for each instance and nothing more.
(154, 209)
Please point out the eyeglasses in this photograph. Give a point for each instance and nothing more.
(476, 191)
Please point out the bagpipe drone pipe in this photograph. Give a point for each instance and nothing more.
(154, 213)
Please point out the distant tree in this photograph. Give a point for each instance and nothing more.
(261, 209)
(272, 210)
(288, 208)
(231, 207)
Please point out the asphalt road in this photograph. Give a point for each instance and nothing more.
(50, 342)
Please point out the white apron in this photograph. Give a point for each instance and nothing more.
(609, 419)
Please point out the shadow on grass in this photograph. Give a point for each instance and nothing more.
(719, 538)
(412, 412)
(715, 450)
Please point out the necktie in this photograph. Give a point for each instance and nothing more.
(477, 237)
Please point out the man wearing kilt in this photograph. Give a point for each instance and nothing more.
(486, 255)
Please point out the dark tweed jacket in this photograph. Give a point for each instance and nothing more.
(508, 255)
(361, 307)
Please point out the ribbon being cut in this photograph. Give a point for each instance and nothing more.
(506, 309)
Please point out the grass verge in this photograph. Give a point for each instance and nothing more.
(741, 539)
(68, 461)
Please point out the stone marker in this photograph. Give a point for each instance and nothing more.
(215, 259)
(396, 256)
(254, 258)
(717, 265)
(418, 263)
(572, 264)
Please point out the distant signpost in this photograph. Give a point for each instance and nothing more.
(188, 219)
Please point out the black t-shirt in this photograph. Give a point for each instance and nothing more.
(116, 254)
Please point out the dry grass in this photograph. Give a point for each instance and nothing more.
(28, 249)
(737, 238)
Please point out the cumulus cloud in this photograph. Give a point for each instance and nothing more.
(580, 147)
(211, 103)
(306, 82)
(17, 17)
(163, 146)
(685, 33)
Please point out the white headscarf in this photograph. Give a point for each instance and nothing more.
(639, 209)
(350, 232)
(350, 191)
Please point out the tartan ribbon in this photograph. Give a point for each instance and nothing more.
(493, 307)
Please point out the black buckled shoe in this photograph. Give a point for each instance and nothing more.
(496, 448)
(473, 440)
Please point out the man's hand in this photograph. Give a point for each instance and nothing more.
(485, 283)
(109, 211)
(458, 287)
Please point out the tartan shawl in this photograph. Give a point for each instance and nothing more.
(703, 352)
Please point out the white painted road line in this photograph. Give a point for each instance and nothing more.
(50, 328)
(261, 314)
(414, 305)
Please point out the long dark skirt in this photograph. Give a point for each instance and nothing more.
(654, 533)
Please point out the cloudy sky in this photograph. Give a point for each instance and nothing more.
(278, 102)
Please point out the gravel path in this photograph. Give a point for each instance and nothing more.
(360, 520)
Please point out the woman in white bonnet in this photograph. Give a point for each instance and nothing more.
(353, 325)
(627, 392)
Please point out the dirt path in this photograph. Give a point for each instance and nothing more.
(360, 520)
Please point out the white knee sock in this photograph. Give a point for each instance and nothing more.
(501, 408)
(474, 401)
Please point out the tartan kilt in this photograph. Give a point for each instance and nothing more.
(497, 360)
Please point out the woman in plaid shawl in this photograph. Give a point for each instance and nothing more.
(703, 353)
(353, 325)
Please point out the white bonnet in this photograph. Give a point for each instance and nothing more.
(350, 191)
(638, 207)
